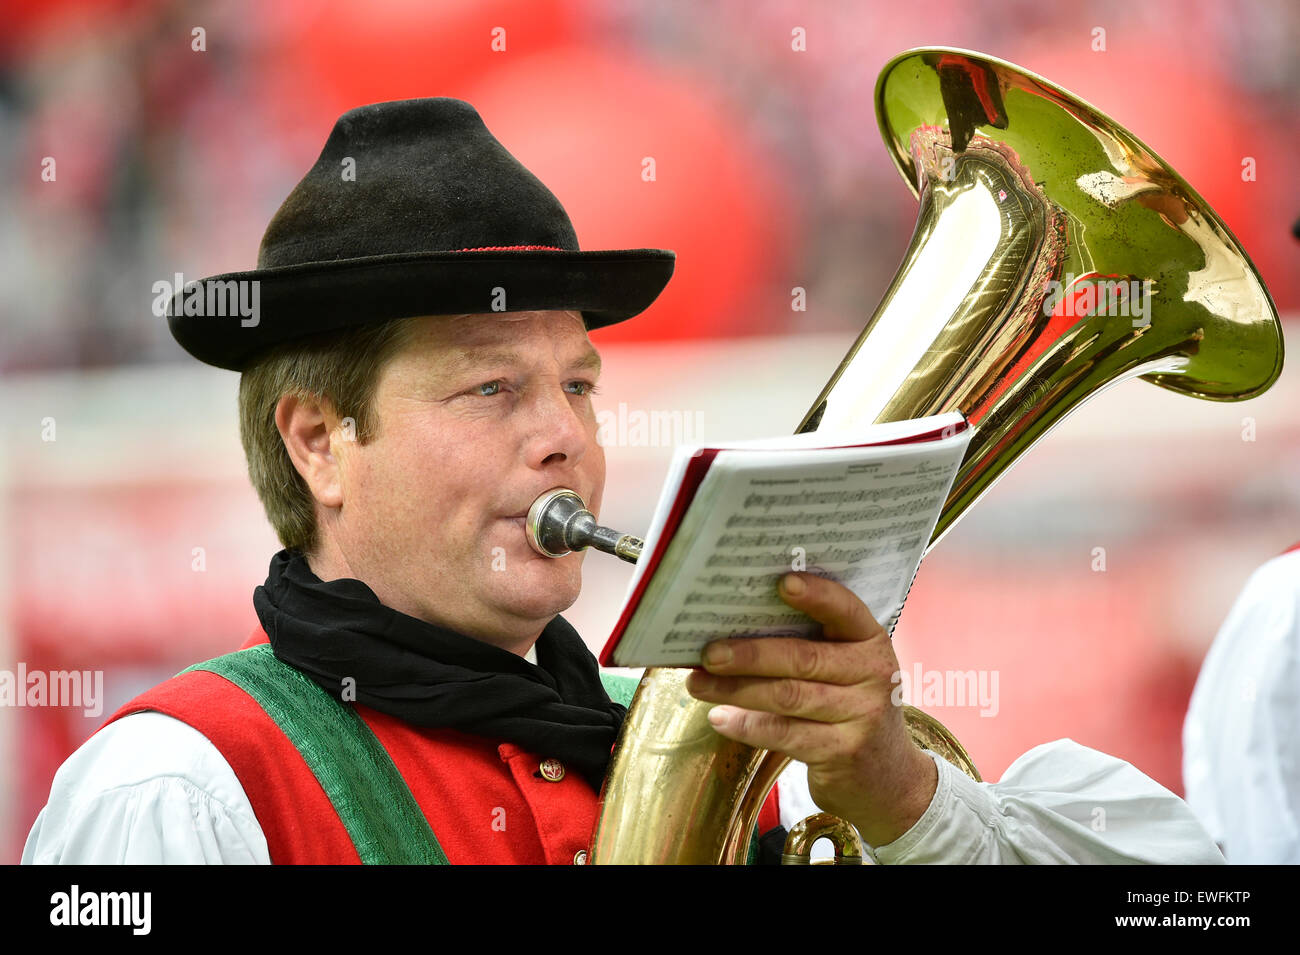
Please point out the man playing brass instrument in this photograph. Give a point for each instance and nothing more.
(419, 371)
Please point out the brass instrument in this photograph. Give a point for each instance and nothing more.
(1040, 220)
(559, 523)
(822, 825)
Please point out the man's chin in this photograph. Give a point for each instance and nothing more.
(542, 589)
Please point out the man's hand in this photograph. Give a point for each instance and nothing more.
(825, 703)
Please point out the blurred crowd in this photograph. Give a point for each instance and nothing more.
(171, 148)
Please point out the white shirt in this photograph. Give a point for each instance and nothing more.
(1241, 751)
(151, 789)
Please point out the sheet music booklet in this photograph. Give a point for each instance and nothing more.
(733, 518)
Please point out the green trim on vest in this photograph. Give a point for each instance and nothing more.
(372, 800)
(349, 762)
(620, 688)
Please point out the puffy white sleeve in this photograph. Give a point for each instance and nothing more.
(1058, 803)
(1241, 751)
(147, 789)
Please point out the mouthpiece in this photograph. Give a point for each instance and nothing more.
(559, 523)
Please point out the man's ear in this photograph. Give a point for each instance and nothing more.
(305, 426)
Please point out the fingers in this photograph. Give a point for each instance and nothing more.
(776, 689)
(842, 615)
(827, 703)
(804, 699)
(855, 648)
(799, 659)
(803, 740)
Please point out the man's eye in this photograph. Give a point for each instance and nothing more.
(487, 389)
(583, 387)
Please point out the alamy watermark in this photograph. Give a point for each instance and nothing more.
(626, 428)
(78, 907)
(212, 298)
(83, 688)
(935, 688)
(1083, 296)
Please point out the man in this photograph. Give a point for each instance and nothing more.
(1241, 756)
(419, 371)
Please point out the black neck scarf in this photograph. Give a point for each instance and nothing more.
(434, 677)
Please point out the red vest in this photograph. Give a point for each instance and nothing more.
(486, 803)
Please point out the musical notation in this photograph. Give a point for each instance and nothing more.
(861, 515)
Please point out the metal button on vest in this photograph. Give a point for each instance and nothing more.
(580, 857)
(552, 770)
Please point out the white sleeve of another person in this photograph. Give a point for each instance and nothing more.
(1241, 751)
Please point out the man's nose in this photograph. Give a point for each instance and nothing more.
(560, 430)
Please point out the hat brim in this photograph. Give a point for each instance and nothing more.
(302, 300)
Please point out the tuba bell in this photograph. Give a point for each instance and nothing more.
(1055, 255)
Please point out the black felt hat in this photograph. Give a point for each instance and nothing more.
(413, 208)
